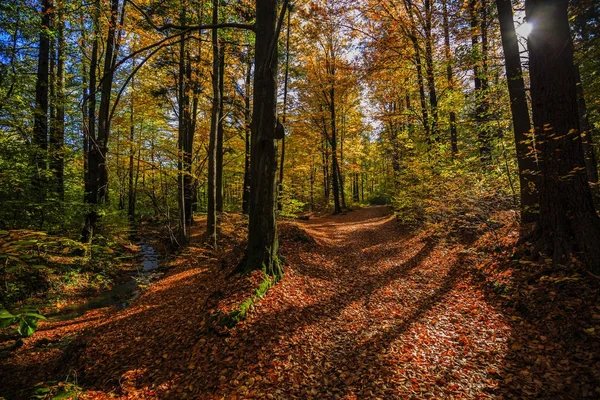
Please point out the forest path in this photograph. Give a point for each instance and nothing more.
(371, 310)
(375, 311)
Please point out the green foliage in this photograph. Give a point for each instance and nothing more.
(57, 390)
(240, 313)
(379, 199)
(26, 321)
(464, 195)
(292, 207)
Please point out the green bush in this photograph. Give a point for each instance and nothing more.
(379, 199)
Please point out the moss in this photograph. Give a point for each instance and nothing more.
(240, 313)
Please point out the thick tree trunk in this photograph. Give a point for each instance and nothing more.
(211, 227)
(449, 76)
(528, 169)
(91, 161)
(568, 221)
(263, 246)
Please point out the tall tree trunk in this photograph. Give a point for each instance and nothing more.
(90, 167)
(220, 129)
(334, 158)
(211, 226)
(520, 112)
(188, 141)
(433, 102)
(58, 156)
(40, 123)
(449, 77)
(91, 160)
(591, 165)
(568, 221)
(263, 246)
(325, 164)
(285, 95)
(131, 187)
(100, 145)
(419, 67)
(480, 81)
(181, 136)
(247, 134)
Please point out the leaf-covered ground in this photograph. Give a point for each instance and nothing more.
(367, 309)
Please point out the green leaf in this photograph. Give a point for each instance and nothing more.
(5, 314)
(6, 322)
(34, 315)
(27, 327)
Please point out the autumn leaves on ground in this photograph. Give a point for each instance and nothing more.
(367, 309)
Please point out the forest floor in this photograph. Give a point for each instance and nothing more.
(368, 309)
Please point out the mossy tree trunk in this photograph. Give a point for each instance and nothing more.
(263, 245)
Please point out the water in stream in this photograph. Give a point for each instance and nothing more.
(119, 295)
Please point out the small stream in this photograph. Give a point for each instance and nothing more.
(122, 294)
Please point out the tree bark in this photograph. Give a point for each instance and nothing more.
(591, 164)
(568, 221)
(40, 123)
(284, 117)
(449, 77)
(247, 135)
(211, 227)
(433, 102)
(263, 246)
(528, 169)
(220, 130)
(479, 77)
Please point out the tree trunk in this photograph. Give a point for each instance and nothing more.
(284, 117)
(131, 187)
(419, 67)
(433, 102)
(58, 156)
(40, 123)
(449, 77)
(334, 159)
(101, 144)
(90, 138)
(263, 246)
(568, 221)
(220, 130)
(211, 227)
(247, 134)
(591, 164)
(188, 143)
(480, 81)
(520, 113)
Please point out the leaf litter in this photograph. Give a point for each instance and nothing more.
(367, 309)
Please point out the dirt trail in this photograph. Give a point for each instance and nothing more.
(370, 311)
